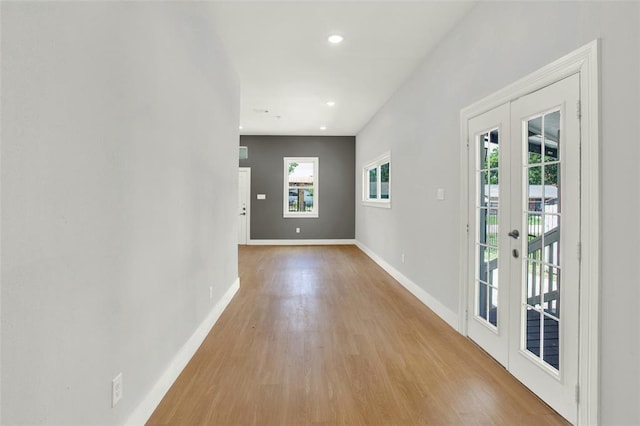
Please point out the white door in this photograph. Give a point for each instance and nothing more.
(244, 182)
(525, 229)
(545, 210)
(487, 325)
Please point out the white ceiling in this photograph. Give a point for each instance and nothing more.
(287, 67)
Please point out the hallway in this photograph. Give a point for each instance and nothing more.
(322, 335)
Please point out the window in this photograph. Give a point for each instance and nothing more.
(376, 182)
(300, 187)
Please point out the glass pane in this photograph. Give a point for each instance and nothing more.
(300, 199)
(492, 266)
(483, 188)
(308, 200)
(534, 280)
(552, 136)
(384, 181)
(551, 342)
(482, 311)
(551, 252)
(373, 183)
(534, 189)
(492, 228)
(493, 306)
(483, 256)
(482, 225)
(552, 188)
(535, 226)
(293, 199)
(535, 140)
(492, 189)
(534, 331)
(301, 181)
(551, 286)
(489, 157)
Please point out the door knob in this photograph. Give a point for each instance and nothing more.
(514, 234)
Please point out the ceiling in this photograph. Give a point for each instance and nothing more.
(289, 71)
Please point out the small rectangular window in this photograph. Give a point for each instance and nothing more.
(376, 185)
(300, 187)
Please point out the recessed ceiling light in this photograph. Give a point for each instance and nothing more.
(330, 103)
(323, 127)
(240, 127)
(335, 39)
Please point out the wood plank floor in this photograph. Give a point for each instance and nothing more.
(322, 335)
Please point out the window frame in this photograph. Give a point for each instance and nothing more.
(376, 164)
(285, 194)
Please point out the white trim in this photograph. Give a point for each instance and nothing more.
(316, 185)
(590, 278)
(319, 242)
(429, 301)
(148, 405)
(386, 204)
(248, 170)
(1, 115)
(585, 61)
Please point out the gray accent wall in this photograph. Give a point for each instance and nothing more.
(336, 219)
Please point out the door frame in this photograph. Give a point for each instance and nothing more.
(585, 62)
(248, 216)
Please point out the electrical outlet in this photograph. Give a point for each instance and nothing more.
(402, 257)
(116, 390)
(297, 230)
(210, 292)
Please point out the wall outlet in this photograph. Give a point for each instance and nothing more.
(116, 390)
(402, 257)
(297, 230)
(210, 292)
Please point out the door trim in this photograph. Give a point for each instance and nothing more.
(248, 170)
(584, 61)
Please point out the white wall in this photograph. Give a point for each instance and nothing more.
(496, 44)
(119, 149)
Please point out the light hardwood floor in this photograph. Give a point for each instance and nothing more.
(322, 335)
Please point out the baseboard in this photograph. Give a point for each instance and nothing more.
(146, 408)
(319, 242)
(431, 302)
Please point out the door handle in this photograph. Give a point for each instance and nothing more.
(243, 214)
(514, 234)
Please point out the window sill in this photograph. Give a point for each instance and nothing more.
(379, 204)
(300, 216)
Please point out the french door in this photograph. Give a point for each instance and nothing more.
(524, 228)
